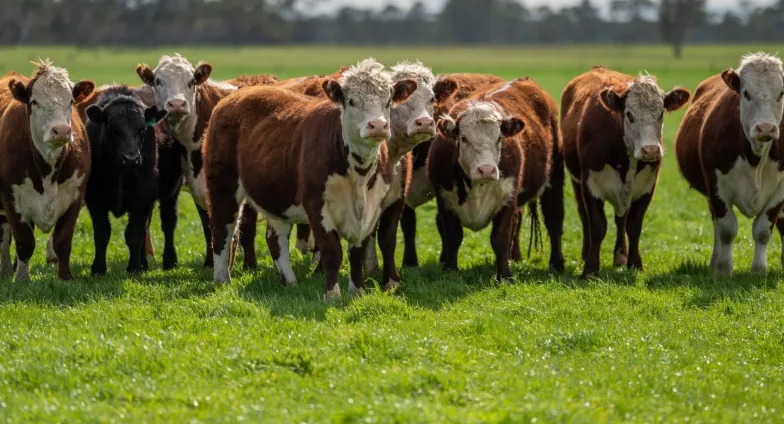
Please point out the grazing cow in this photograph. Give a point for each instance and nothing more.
(479, 163)
(448, 90)
(300, 160)
(45, 164)
(729, 148)
(612, 146)
(189, 96)
(124, 178)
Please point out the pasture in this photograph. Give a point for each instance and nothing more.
(674, 343)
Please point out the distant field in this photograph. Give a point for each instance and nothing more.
(672, 344)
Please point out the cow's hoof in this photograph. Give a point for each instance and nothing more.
(759, 268)
(391, 285)
(620, 259)
(724, 267)
(354, 290)
(333, 294)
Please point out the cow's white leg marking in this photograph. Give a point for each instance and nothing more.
(371, 257)
(391, 285)
(22, 270)
(51, 256)
(727, 229)
(332, 294)
(6, 267)
(352, 288)
(283, 263)
(761, 230)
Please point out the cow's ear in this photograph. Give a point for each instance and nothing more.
(444, 88)
(19, 91)
(675, 99)
(95, 114)
(732, 79)
(510, 127)
(333, 90)
(202, 73)
(145, 73)
(82, 90)
(153, 115)
(402, 90)
(612, 101)
(447, 128)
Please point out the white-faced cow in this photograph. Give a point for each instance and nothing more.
(188, 96)
(730, 149)
(612, 146)
(297, 159)
(44, 164)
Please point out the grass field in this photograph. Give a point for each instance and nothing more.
(672, 344)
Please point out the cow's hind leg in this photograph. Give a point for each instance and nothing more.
(224, 209)
(371, 256)
(356, 259)
(6, 267)
(134, 239)
(278, 233)
(408, 225)
(205, 225)
(102, 232)
(303, 243)
(387, 232)
(51, 256)
(247, 236)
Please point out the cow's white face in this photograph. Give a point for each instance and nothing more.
(365, 95)
(49, 97)
(479, 131)
(761, 87)
(175, 81)
(643, 105)
(414, 120)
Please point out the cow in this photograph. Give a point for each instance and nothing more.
(729, 148)
(123, 146)
(45, 164)
(479, 163)
(298, 159)
(188, 95)
(448, 90)
(612, 146)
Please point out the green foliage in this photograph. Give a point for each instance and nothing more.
(669, 344)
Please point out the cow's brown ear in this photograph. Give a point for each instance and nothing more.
(732, 79)
(444, 88)
(145, 73)
(19, 91)
(402, 90)
(447, 128)
(676, 98)
(612, 101)
(82, 90)
(202, 73)
(334, 90)
(510, 127)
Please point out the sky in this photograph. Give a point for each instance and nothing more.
(435, 5)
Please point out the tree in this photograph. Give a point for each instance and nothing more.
(676, 17)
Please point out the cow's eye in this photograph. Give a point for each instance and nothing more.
(158, 82)
(33, 103)
(747, 95)
(351, 102)
(191, 83)
(462, 139)
(389, 104)
(781, 95)
(630, 117)
(662, 116)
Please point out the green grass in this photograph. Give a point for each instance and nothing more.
(672, 344)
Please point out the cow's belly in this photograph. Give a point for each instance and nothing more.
(751, 189)
(196, 184)
(421, 190)
(44, 209)
(351, 208)
(482, 204)
(620, 191)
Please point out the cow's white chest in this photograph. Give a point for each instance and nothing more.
(421, 190)
(621, 191)
(395, 192)
(196, 184)
(482, 204)
(44, 209)
(751, 189)
(351, 207)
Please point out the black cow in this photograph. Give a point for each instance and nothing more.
(123, 146)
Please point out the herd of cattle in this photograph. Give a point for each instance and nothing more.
(351, 155)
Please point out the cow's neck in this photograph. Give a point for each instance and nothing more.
(48, 152)
(184, 131)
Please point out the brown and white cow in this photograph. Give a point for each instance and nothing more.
(478, 163)
(189, 96)
(612, 146)
(729, 147)
(44, 164)
(303, 160)
(448, 90)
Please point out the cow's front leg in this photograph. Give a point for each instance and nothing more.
(134, 239)
(597, 229)
(500, 239)
(249, 218)
(6, 267)
(762, 230)
(356, 260)
(621, 251)
(387, 232)
(725, 229)
(451, 236)
(63, 237)
(102, 232)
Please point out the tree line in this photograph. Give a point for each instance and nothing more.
(243, 22)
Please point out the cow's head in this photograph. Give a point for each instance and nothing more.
(175, 81)
(413, 120)
(365, 94)
(761, 88)
(125, 123)
(479, 130)
(49, 97)
(642, 107)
